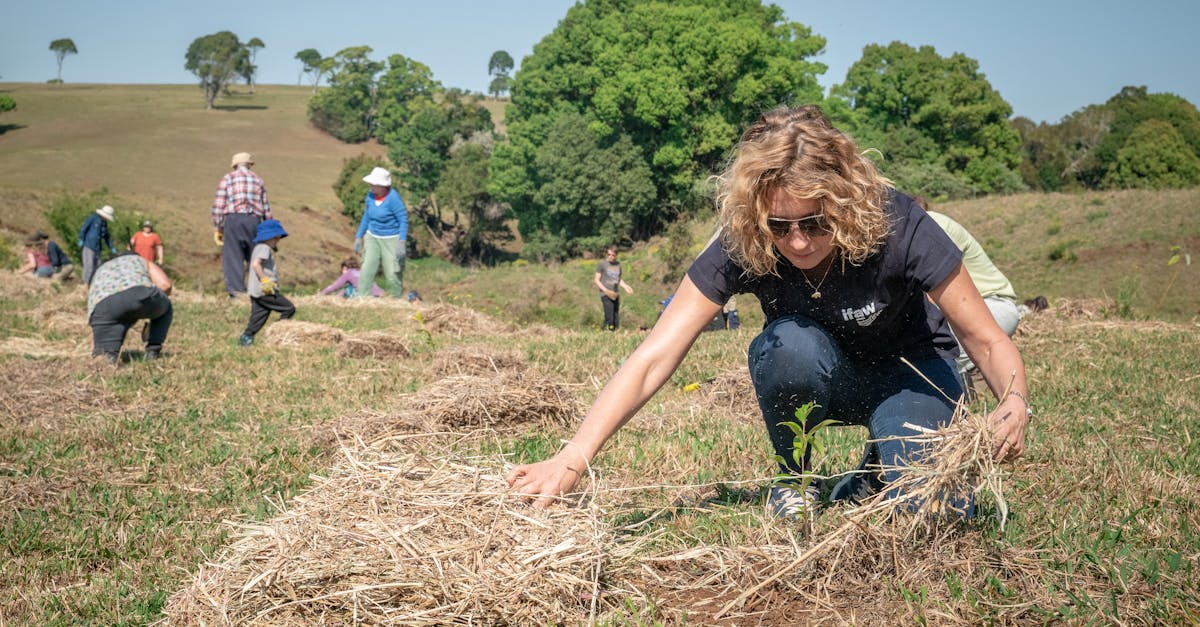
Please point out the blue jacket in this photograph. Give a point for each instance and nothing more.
(386, 219)
(57, 257)
(94, 231)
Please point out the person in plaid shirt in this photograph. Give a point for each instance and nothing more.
(240, 205)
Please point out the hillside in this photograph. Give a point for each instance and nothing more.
(156, 146)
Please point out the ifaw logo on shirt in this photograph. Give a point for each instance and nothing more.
(864, 316)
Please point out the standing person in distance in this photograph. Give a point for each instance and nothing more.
(848, 272)
(608, 280)
(264, 281)
(147, 244)
(382, 234)
(92, 235)
(238, 208)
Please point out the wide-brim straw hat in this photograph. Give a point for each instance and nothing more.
(105, 212)
(379, 176)
(240, 158)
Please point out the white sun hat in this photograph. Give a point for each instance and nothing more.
(379, 176)
(105, 212)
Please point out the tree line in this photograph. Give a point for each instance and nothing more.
(621, 114)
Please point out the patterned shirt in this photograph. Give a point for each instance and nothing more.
(240, 191)
(117, 275)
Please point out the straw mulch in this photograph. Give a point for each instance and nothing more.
(40, 395)
(14, 285)
(501, 400)
(297, 334)
(332, 300)
(373, 345)
(401, 536)
(40, 348)
(458, 321)
(476, 360)
(914, 542)
(732, 392)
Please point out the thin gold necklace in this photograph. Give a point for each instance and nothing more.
(817, 288)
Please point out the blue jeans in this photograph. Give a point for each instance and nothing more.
(795, 361)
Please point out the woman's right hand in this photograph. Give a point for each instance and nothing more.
(544, 483)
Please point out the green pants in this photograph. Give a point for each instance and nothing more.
(379, 252)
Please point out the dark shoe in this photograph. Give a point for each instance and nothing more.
(862, 483)
(111, 358)
(246, 340)
(152, 354)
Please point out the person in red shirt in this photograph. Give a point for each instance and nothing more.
(147, 244)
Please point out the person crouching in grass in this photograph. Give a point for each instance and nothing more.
(264, 281)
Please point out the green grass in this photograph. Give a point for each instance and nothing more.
(111, 497)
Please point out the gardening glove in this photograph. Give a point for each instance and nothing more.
(112, 249)
(80, 244)
(219, 238)
(358, 246)
(268, 286)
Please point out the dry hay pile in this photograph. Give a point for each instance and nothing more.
(373, 344)
(14, 285)
(57, 316)
(297, 334)
(398, 536)
(911, 542)
(459, 321)
(476, 360)
(497, 401)
(732, 392)
(335, 300)
(38, 395)
(40, 348)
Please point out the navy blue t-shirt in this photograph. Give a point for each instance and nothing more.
(875, 311)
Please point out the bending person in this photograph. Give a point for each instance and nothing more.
(126, 289)
(841, 264)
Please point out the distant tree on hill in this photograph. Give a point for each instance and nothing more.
(61, 48)
(312, 64)
(216, 59)
(499, 67)
(347, 109)
(7, 103)
(928, 113)
(1155, 155)
(254, 45)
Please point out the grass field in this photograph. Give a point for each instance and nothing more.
(118, 486)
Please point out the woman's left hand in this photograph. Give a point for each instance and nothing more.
(1011, 419)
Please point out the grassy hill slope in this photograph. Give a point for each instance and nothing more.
(156, 146)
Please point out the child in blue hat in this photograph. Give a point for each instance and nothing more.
(263, 286)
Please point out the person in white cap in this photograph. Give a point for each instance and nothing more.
(240, 205)
(382, 234)
(92, 235)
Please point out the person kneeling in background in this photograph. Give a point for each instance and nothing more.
(264, 281)
(126, 289)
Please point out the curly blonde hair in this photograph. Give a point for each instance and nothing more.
(798, 151)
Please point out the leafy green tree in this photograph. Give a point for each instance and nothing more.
(7, 103)
(347, 109)
(351, 190)
(216, 60)
(1128, 109)
(61, 48)
(419, 122)
(959, 120)
(499, 67)
(665, 87)
(463, 190)
(254, 45)
(314, 65)
(591, 191)
(1157, 156)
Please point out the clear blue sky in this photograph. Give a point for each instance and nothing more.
(1046, 57)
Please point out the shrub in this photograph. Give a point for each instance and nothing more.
(67, 213)
(350, 188)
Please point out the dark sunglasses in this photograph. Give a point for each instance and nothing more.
(811, 226)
